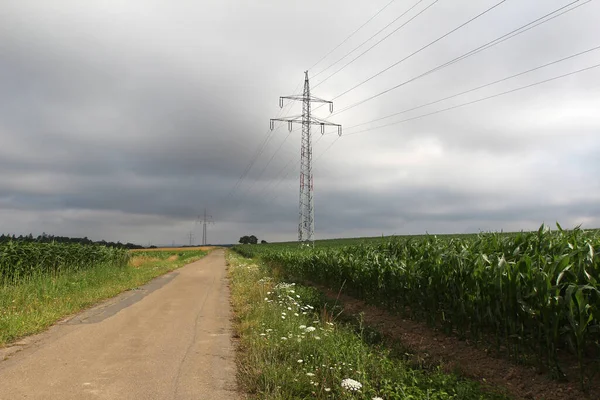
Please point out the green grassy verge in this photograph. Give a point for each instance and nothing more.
(34, 304)
(291, 347)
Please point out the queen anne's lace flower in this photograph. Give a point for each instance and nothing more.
(310, 329)
(351, 384)
(377, 398)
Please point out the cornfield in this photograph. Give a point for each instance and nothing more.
(20, 260)
(534, 295)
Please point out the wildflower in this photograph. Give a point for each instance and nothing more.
(377, 398)
(317, 337)
(300, 361)
(351, 384)
(310, 374)
(327, 389)
(302, 326)
(283, 338)
(310, 329)
(296, 314)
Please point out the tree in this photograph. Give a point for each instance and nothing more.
(263, 242)
(249, 239)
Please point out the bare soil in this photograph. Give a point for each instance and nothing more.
(203, 248)
(429, 346)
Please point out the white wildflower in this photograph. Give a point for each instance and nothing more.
(310, 329)
(327, 389)
(300, 361)
(377, 398)
(310, 374)
(351, 384)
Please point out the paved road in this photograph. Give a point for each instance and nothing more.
(169, 340)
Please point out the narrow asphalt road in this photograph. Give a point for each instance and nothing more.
(170, 339)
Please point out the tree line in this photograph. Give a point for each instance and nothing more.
(46, 238)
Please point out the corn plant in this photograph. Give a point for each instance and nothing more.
(535, 293)
(21, 260)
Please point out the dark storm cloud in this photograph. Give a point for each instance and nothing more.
(124, 120)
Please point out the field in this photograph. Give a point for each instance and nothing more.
(533, 295)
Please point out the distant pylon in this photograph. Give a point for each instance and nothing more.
(206, 220)
(306, 224)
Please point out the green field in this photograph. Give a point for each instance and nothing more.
(533, 294)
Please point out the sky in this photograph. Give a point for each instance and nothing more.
(124, 120)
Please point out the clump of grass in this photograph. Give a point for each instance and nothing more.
(34, 303)
(291, 348)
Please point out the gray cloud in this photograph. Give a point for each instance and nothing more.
(124, 120)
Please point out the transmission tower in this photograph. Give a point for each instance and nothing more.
(206, 220)
(191, 237)
(306, 224)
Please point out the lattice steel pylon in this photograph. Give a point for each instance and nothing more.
(306, 224)
(206, 220)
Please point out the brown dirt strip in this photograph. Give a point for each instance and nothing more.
(196, 248)
(432, 347)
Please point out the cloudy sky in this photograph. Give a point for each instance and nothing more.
(123, 120)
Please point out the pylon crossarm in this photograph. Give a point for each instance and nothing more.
(311, 99)
(300, 97)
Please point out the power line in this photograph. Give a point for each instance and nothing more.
(270, 160)
(366, 41)
(266, 187)
(352, 34)
(470, 53)
(424, 47)
(258, 152)
(490, 44)
(479, 100)
(478, 87)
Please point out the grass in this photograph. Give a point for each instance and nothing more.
(36, 303)
(292, 347)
